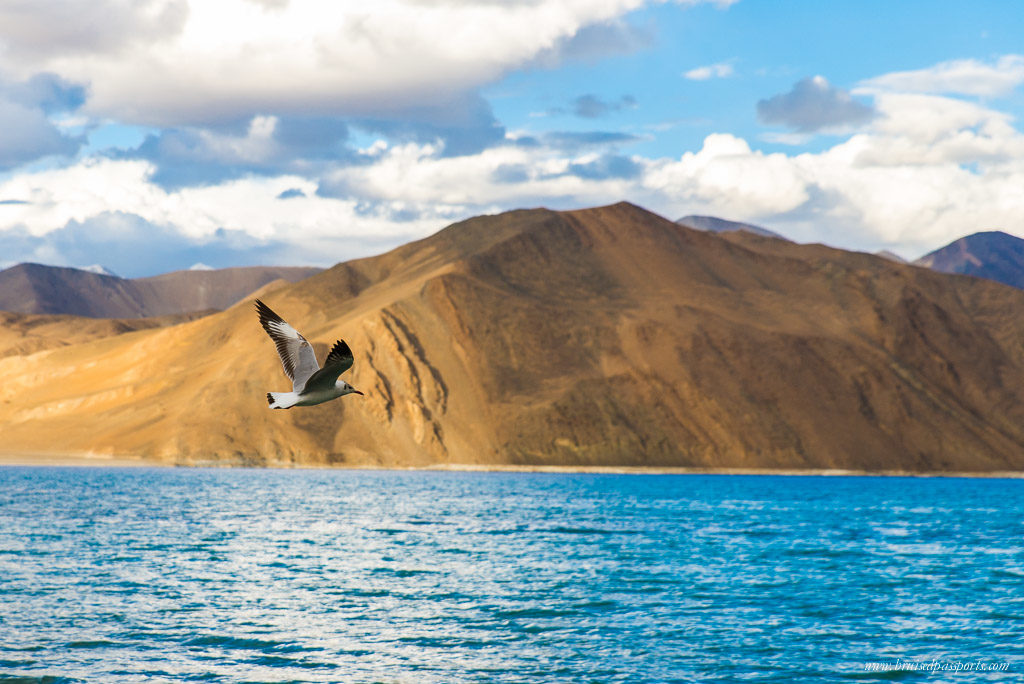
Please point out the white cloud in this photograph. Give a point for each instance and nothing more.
(27, 131)
(956, 77)
(814, 105)
(703, 73)
(727, 177)
(36, 30)
(168, 62)
(926, 130)
(498, 178)
(26, 134)
(324, 229)
(794, 139)
(926, 170)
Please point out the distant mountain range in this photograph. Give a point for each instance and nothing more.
(23, 334)
(97, 293)
(994, 255)
(607, 336)
(38, 289)
(713, 224)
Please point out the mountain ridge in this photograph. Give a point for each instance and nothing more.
(714, 224)
(598, 337)
(994, 255)
(39, 289)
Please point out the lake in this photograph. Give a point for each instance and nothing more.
(168, 575)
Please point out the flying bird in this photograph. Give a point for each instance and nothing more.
(311, 384)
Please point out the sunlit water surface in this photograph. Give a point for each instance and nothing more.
(133, 575)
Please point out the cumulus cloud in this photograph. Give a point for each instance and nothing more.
(222, 101)
(242, 216)
(48, 92)
(283, 187)
(726, 174)
(927, 170)
(133, 247)
(26, 131)
(462, 123)
(510, 173)
(959, 77)
(926, 130)
(703, 73)
(26, 135)
(306, 145)
(596, 41)
(591, 106)
(813, 105)
(577, 140)
(606, 166)
(171, 63)
(32, 32)
(907, 182)
(267, 145)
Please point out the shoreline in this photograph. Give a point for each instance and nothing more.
(95, 460)
(71, 458)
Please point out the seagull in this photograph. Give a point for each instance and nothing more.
(311, 384)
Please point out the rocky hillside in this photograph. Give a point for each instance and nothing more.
(994, 255)
(24, 334)
(38, 289)
(607, 336)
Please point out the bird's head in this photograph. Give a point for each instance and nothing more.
(347, 388)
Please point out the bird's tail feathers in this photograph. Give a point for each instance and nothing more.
(282, 400)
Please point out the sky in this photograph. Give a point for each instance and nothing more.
(149, 136)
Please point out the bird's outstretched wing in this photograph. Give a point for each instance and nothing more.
(337, 362)
(296, 353)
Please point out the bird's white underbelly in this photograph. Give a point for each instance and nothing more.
(317, 397)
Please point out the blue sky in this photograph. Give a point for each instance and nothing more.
(150, 135)
(769, 45)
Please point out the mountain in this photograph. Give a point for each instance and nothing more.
(199, 289)
(713, 224)
(38, 289)
(994, 255)
(892, 256)
(607, 336)
(23, 334)
(100, 269)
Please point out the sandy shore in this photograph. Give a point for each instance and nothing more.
(50, 458)
(53, 458)
(835, 472)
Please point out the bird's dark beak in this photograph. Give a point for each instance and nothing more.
(355, 391)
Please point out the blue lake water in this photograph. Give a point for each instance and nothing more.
(134, 575)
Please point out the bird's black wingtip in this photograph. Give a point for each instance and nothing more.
(340, 353)
(266, 313)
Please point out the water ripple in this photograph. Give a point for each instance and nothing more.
(321, 576)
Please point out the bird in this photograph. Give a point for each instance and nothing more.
(311, 384)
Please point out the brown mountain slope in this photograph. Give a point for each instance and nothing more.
(608, 336)
(38, 289)
(23, 334)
